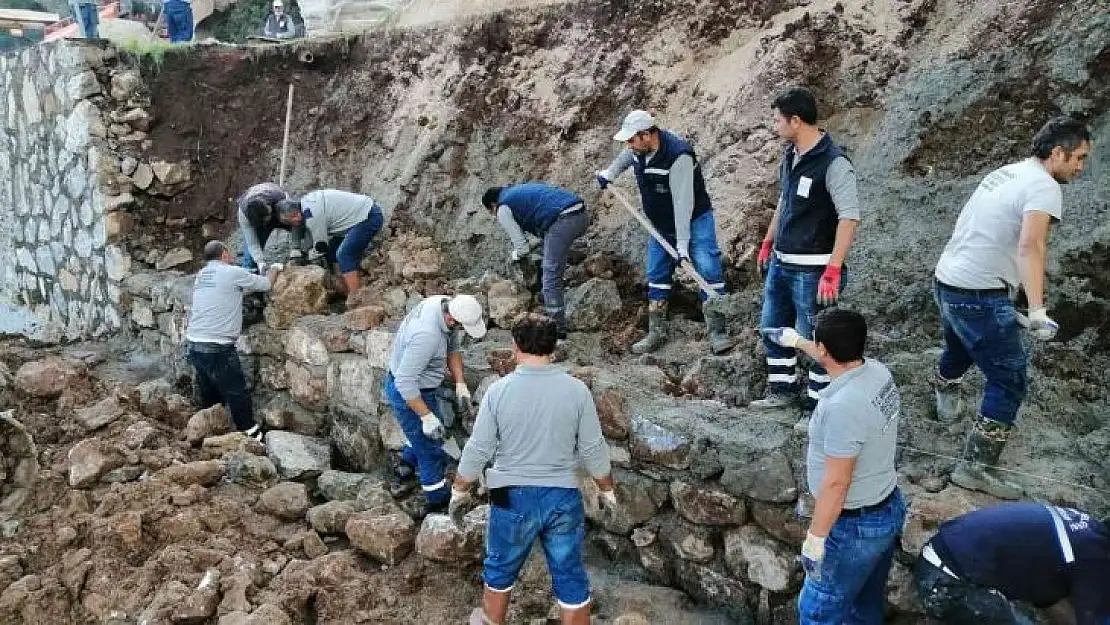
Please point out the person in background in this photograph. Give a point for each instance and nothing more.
(87, 15)
(258, 218)
(179, 20)
(279, 24)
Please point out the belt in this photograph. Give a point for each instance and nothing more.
(930, 556)
(948, 288)
(872, 508)
(209, 348)
(581, 206)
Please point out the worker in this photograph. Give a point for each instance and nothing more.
(425, 347)
(179, 20)
(672, 189)
(258, 218)
(859, 509)
(1052, 557)
(279, 24)
(87, 15)
(803, 253)
(556, 216)
(215, 322)
(534, 425)
(1000, 242)
(341, 225)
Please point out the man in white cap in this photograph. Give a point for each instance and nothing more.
(279, 24)
(426, 346)
(673, 193)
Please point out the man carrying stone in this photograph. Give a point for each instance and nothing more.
(555, 215)
(258, 218)
(1052, 557)
(673, 193)
(341, 225)
(215, 322)
(425, 347)
(1000, 243)
(534, 425)
(859, 509)
(807, 241)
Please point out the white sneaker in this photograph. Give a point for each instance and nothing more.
(255, 433)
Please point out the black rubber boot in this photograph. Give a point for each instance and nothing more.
(976, 471)
(716, 330)
(657, 329)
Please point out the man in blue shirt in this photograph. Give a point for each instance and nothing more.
(978, 563)
(555, 215)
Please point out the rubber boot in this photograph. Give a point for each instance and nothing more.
(657, 329)
(949, 402)
(560, 317)
(984, 446)
(716, 330)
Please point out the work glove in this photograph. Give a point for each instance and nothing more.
(432, 426)
(787, 337)
(684, 250)
(515, 255)
(607, 499)
(828, 288)
(813, 554)
(602, 180)
(461, 502)
(262, 267)
(1041, 326)
(764, 259)
(296, 257)
(462, 397)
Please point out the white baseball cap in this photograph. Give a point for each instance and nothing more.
(467, 311)
(636, 121)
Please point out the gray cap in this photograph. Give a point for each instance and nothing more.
(636, 121)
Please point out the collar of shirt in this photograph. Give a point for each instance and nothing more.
(843, 379)
(535, 369)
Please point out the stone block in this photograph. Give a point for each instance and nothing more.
(593, 305)
(735, 379)
(752, 554)
(387, 536)
(297, 292)
(297, 456)
(612, 411)
(635, 504)
(48, 377)
(312, 339)
(692, 543)
(249, 470)
(287, 501)
(768, 477)
(928, 510)
(207, 422)
(355, 385)
(203, 472)
(364, 318)
(171, 174)
(440, 540)
(234, 442)
(263, 340)
(505, 300)
(282, 413)
(658, 445)
(272, 373)
(780, 521)
(89, 460)
(308, 386)
(379, 347)
(706, 506)
(331, 517)
(100, 414)
(341, 485)
(174, 258)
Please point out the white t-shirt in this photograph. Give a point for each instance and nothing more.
(982, 253)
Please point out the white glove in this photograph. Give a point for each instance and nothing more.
(295, 254)
(276, 267)
(432, 426)
(607, 499)
(313, 255)
(461, 501)
(515, 255)
(262, 267)
(787, 337)
(462, 394)
(684, 249)
(1041, 325)
(813, 553)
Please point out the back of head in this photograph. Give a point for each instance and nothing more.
(797, 101)
(1063, 132)
(491, 197)
(843, 333)
(535, 334)
(258, 213)
(287, 208)
(214, 250)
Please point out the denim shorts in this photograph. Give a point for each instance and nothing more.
(556, 516)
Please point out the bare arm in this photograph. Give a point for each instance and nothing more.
(832, 494)
(455, 366)
(845, 232)
(1033, 255)
(773, 227)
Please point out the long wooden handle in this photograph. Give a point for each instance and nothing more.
(285, 141)
(682, 262)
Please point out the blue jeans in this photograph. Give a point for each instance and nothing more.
(426, 454)
(984, 331)
(859, 551)
(790, 301)
(704, 254)
(348, 251)
(219, 379)
(554, 515)
(88, 18)
(179, 21)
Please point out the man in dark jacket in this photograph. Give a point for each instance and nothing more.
(279, 24)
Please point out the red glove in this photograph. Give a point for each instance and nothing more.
(828, 289)
(765, 254)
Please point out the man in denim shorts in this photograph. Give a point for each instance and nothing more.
(534, 424)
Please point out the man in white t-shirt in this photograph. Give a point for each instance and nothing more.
(1000, 243)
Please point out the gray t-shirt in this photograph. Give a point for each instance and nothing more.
(857, 417)
(217, 311)
(329, 212)
(419, 357)
(983, 250)
(535, 424)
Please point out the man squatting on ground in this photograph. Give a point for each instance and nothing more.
(425, 347)
(341, 225)
(534, 425)
(807, 241)
(1054, 558)
(555, 215)
(215, 322)
(1000, 242)
(672, 190)
(258, 218)
(859, 509)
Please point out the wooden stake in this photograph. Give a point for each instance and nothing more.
(285, 141)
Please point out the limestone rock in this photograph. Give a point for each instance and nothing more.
(901, 590)
(735, 379)
(201, 604)
(173, 258)
(262, 340)
(142, 176)
(297, 456)
(387, 536)
(282, 413)
(331, 517)
(593, 305)
(373, 493)
(441, 541)
(126, 85)
(128, 165)
(764, 477)
(753, 555)
(287, 500)
(100, 414)
(203, 472)
(89, 460)
(506, 300)
(234, 442)
(364, 318)
(250, 470)
(340, 485)
(355, 389)
(780, 521)
(693, 543)
(929, 510)
(207, 422)
(171, 173)
(313, 545)
(313, 338)
(706, 506)
(414, 257)
(297, 291)
(48, 377)
(379, 346)
(389, 430)
(612, 411)
(308, 385)
(658, 445)
(635, 504)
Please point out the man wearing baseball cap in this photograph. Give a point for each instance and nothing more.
(673, 193)
(427, 344)
(279, 24)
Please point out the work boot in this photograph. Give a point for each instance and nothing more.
(657, 329)
(949, 402)
(403, 479)
(984, 446)
(773, 400)
(560, 317)
(716, 330)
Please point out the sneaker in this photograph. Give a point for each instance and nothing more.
(773, 400)
(256, 433)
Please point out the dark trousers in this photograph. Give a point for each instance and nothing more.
(958, 602)
(219, 380)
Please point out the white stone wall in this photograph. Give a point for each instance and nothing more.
(61, 279)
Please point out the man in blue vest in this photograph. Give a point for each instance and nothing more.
(807, 241)
(673, 193)
(555, 215)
